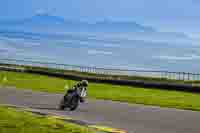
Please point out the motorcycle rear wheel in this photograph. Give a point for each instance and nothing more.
(62, 104)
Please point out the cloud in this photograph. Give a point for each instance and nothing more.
(196, 1)
(99, 52)
(183, 58)
(41, 11)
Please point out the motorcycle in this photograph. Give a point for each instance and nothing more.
(72, 98)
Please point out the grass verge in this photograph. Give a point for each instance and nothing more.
(105, 75)
(163, 98)
(14, 121)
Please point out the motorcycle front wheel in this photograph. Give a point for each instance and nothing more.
(74, 103)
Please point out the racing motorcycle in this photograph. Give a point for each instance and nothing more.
(73, 97)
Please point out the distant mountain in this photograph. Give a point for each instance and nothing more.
(37, 19)
(45, 23)
(123, 26)
(44, 19)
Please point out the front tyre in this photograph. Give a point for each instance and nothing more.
(74, 103)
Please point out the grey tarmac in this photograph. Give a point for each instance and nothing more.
(133, 118)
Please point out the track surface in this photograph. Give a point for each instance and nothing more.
(132, 118)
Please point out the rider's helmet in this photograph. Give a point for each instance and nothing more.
(84, 83)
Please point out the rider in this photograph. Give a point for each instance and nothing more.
(79, 87)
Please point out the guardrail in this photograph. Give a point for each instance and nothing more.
(140, 73)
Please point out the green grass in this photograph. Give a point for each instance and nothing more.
(15, 121)
(164, 98)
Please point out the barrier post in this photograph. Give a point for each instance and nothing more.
(179, 76)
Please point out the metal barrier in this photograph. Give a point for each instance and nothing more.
(140, 73)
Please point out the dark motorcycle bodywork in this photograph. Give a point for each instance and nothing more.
(71, 100)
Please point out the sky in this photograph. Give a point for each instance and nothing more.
(168, 15)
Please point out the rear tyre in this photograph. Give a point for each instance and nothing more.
(62, 104)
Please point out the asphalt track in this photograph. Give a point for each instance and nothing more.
(130, 117)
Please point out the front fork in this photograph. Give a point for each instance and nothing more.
(82, 100)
